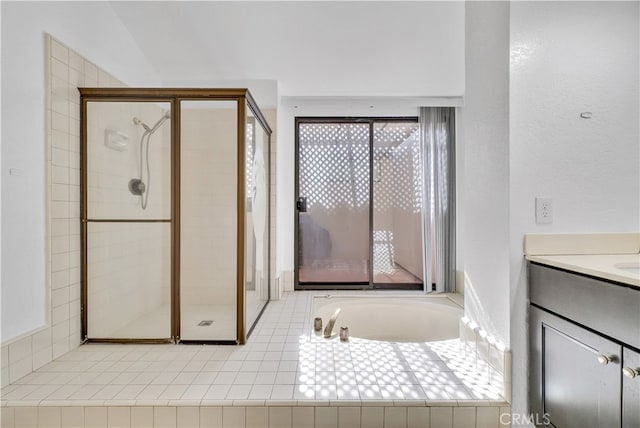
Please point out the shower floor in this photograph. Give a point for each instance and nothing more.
(157, 323)
(222, 328)
(147, 325)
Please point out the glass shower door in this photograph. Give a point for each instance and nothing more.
(257, 209)
(208, 220)
(333, 227)
(127, 220)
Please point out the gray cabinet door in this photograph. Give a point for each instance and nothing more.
(631, 390)
(576, 374)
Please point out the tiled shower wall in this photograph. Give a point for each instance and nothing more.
(209, 218)
(66, 71)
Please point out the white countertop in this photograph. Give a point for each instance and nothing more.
(597, 254)
(598, 265)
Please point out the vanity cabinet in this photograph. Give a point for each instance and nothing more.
(584, 359)
(631, 389)
(578, 387)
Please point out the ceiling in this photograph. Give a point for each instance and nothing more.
(310, 48)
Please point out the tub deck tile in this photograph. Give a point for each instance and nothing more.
(281, 357)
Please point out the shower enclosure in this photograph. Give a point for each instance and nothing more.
(175, 214)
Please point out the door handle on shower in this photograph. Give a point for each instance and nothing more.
(301, 204)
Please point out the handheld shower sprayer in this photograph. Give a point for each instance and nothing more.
(141, 123)
(165, 116)
(137, 186)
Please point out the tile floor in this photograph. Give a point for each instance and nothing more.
(280, 366)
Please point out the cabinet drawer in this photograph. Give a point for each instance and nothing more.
(605, 307)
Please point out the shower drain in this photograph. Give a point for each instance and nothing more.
(205, 323)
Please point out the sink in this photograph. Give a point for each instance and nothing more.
(633, 268)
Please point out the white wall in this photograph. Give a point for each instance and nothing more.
(483, 147)
(568, 58)
(96, 32)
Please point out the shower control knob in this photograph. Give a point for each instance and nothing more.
(136, 186)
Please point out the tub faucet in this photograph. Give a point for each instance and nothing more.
(328, 329)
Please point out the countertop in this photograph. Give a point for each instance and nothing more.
(598, 255)
(597, 265)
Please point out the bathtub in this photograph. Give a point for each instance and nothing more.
(390, 318)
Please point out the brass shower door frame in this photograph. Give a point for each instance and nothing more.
(174, 96)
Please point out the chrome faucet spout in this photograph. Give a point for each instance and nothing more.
(329, 328)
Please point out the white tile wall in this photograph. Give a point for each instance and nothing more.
(486, 417)
(441, 417)
(233, 417)
(372, 417)
(253, 417)
(208, 247)
(303, 417)
(418, 417)
(25, 417)
(72, 417)
(49, 417)
(118, 417)
(464, 417)
(491, 357)
(95, 417)
(66, 71)
(348, 417)
(281, 417)
(287, 280)
(142, 417)
(395, 417)
(257, 417)
(326, 417)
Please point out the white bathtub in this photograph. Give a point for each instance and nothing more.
(392, 319)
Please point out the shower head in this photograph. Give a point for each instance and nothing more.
(141, 123)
